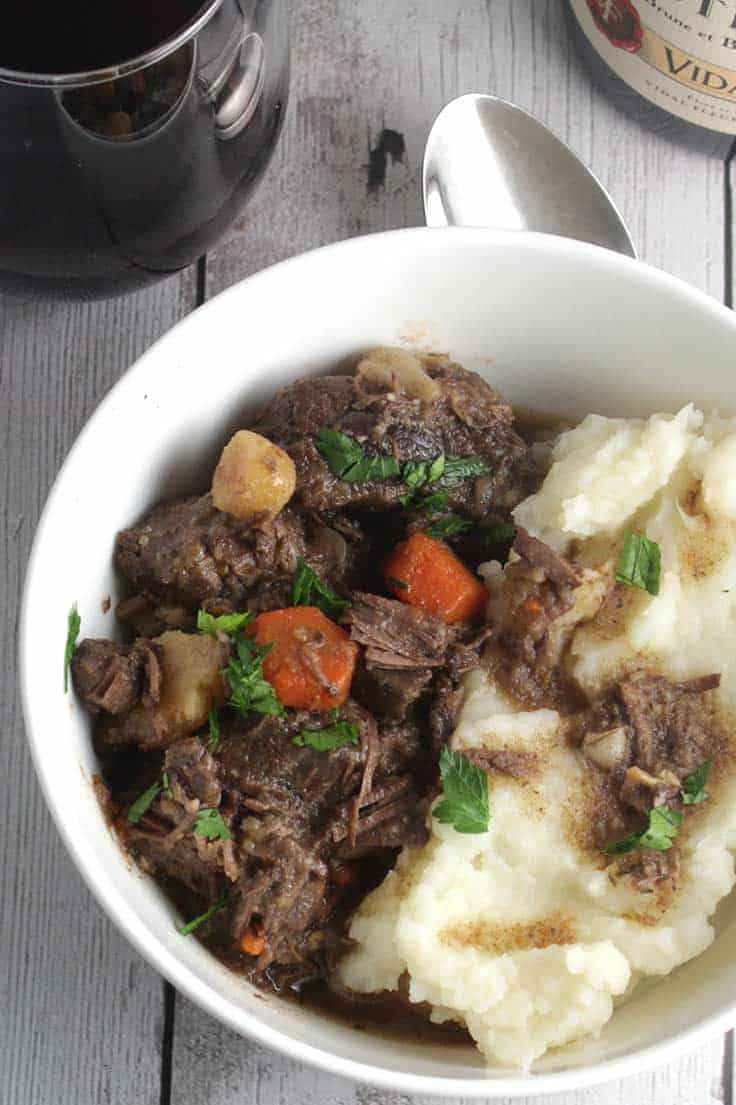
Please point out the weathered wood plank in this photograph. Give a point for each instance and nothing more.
(215, 1065)
(81, 1016)
(357, 75)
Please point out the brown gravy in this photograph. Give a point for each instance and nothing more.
(390, 1016)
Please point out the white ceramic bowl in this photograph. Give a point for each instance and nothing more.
(556, 325)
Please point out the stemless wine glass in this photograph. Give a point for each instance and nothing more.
(113, 178)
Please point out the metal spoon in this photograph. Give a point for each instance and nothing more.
(490, 163)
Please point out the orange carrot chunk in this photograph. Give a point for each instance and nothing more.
(253, 942)
(312, 660)
(425, 573)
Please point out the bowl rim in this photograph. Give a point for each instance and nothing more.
(160, 957)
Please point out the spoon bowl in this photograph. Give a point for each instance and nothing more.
(489, 163)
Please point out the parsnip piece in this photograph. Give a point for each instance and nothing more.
(191, 683)
(252, 476)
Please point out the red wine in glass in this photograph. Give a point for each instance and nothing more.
(131, 135)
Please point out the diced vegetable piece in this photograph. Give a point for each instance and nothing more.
(312, 660)
(253, 942)
(252, 476)
(425, 573)
(398, 370)
(191, 683)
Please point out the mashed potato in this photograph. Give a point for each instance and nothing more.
(520, 933)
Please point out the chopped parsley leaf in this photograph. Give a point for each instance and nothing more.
(310, 590)
(434, 503)
(331, 737)
(166, 784)
(417, 472)
(214, 738)
(498, 533)
(144, 802)
(225, 623)
(221, 903)
(347, 460)
(210, 825)
(250, 691)
(463, 468)
(664, 824)
(427, 504)
(394, 582)
(74, 623)
(465, 804)
(449, 526)
(693, 786)
(639, 564)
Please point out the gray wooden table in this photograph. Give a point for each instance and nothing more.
(83, 1020)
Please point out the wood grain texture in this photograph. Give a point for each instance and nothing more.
(81, 1013)
(358, 74)
(214, 1065)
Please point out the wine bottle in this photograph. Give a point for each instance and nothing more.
(670, 63)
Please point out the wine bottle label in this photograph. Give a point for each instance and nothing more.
(679, 54)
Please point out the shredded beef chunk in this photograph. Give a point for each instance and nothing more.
(644, 736)
(537, 590)
(260, 760)
(462, 657)
(402, 647)
(296, 806)
(658, 730)
(113, 678)
(185, 555)
(408, 656)
(390, 693)
(192, 772)
(651, 872)
(295, 815)
(396, 635)
(187, 552)
(222, 803)
(467, 417)
(151, 693)
(177, 862)
(560, 571)
(163, 838)
(515, 765)
(670, 721)
(445, 708)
